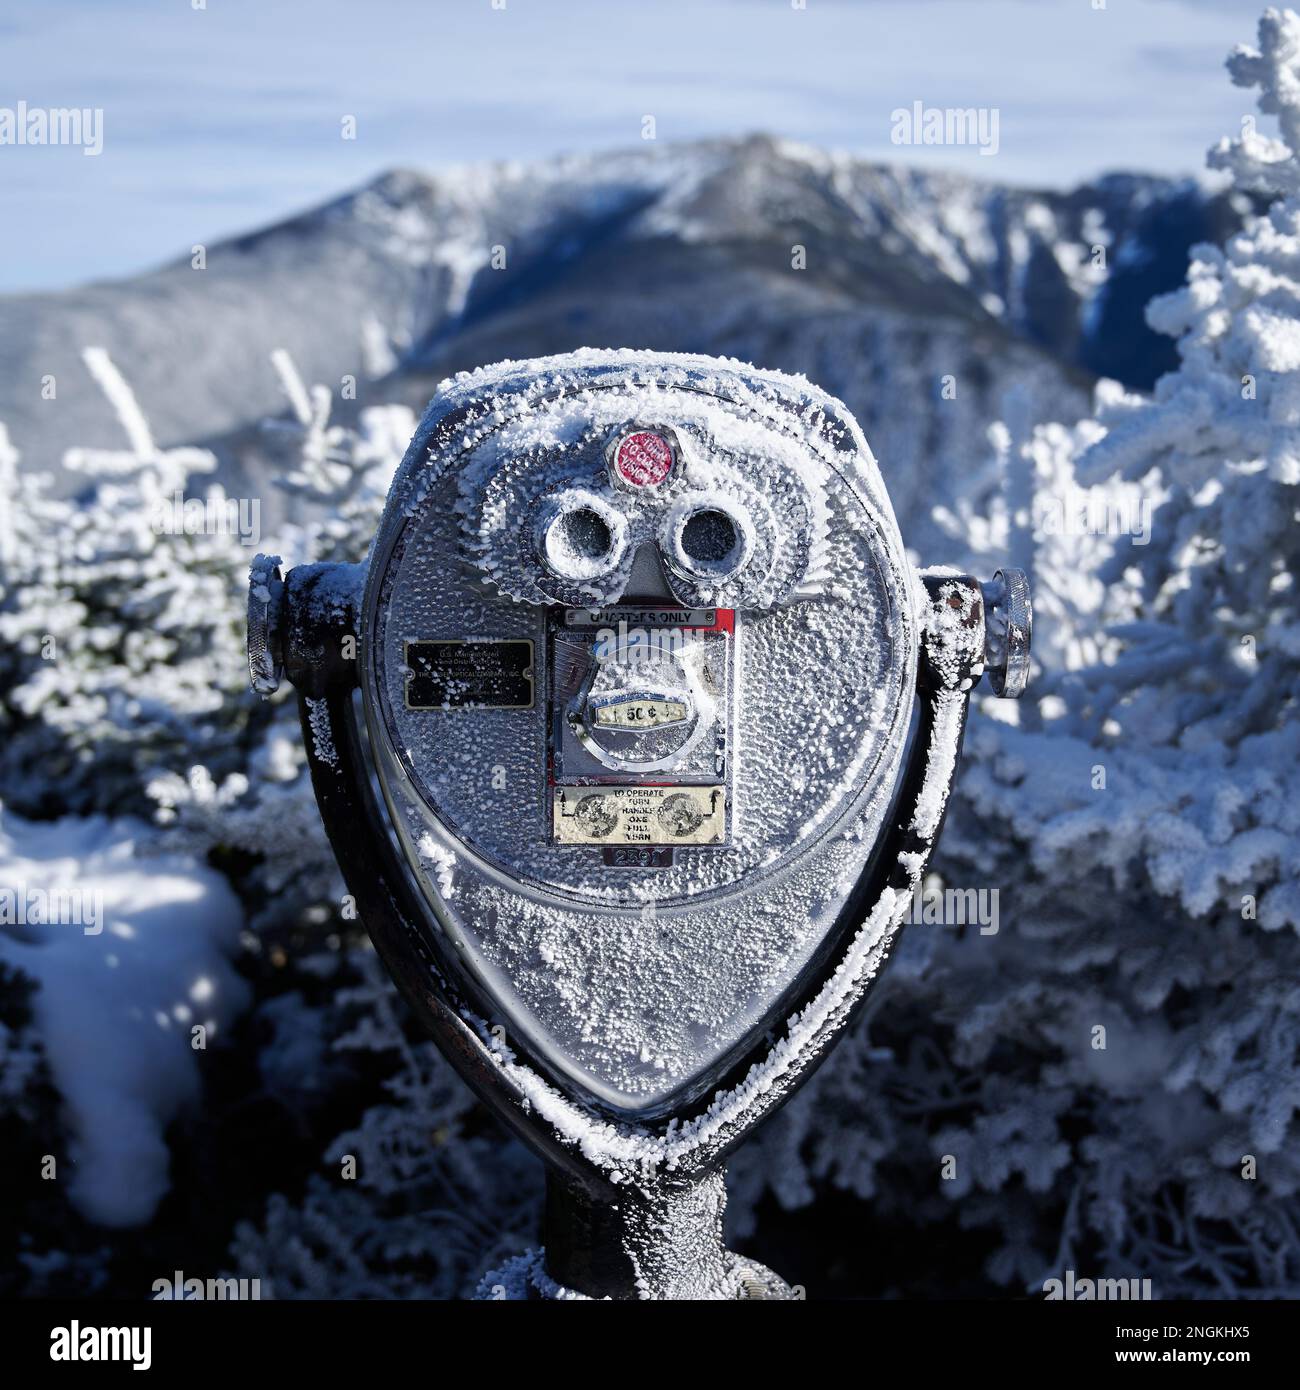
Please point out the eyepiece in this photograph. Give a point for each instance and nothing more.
(710, 542)
(581, 537)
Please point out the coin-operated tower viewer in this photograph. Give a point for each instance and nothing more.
(644, 748)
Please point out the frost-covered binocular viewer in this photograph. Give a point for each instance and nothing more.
(664, 726)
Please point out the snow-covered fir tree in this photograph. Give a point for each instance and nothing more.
(1112, 1076)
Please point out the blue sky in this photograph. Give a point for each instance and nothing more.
(220, 119)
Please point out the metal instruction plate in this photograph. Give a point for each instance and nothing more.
(630, 815)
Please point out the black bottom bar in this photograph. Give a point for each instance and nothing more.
(199, 1343)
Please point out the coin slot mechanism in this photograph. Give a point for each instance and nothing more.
(641, 727)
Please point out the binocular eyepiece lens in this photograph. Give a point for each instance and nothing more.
(581, 534)
(582, 538)
(712, 543)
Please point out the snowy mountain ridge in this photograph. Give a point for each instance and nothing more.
(423, 273)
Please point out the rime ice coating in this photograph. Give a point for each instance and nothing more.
(631, 982)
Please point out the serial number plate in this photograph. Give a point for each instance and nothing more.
(638, 857)
(623, 815)
(469, 675)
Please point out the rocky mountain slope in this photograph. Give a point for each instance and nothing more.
(920, 298)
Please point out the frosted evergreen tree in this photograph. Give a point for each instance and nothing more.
(120, 620)
(1109, 1082)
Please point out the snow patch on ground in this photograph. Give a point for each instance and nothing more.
(116, 1008)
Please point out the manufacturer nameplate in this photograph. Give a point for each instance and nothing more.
(460, 674)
